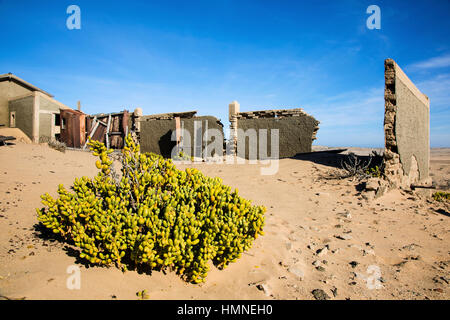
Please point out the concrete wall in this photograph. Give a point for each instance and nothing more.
(297, 130)
(48, 107)
(46, 125)
(407, 129)
(9, 90)
(48, 104)
(155, 134)
(24, 114)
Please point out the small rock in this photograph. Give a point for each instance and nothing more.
(343, 237)
(334, 292)
(322, 252)
(319, 294)
(297, 272)
(353, 264)
(368, 251)
(347, 215)
(265, 288)
(316, 263)
(320, 268)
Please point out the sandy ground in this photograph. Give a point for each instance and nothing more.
(319, 234)
(16, 133)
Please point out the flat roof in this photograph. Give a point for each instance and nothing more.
(23, 83)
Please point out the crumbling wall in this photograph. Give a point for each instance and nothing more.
(407, 130)
(297, 130)
(109, 128)
(155, 131)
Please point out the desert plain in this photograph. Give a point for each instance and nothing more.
(323, 239)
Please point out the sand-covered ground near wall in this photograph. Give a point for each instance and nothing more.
(319, 234)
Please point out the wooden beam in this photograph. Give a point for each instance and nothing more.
(92, 132)
(107, 131)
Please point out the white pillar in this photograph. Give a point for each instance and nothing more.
(35, 122)
(233, 110)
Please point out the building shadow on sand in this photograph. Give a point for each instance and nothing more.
(336, 158)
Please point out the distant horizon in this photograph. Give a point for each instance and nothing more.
(367, 147)
(179, 56)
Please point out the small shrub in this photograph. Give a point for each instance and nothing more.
(357, 168)
(53, 143)
(375, 172)
(183, 157)
(154, 216)
(441, 196)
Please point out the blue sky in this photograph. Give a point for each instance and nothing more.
(167, 56)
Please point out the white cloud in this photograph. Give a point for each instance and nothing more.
(432, 63)
(351, 118)
(437, 89)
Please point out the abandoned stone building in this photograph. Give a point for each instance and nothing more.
(39, 115)
(251, 132)
(24, 106)
(157, 133)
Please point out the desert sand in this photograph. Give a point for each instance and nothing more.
(319, 234)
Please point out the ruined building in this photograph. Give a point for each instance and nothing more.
(296, 131)
(24, 106)
(156, 133)
(38, 115)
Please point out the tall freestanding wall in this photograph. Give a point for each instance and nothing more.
(407, 130)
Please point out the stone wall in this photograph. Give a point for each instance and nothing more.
(407, 130)
(297, 130)
(9, 90)
(23, 107)
(155, 131)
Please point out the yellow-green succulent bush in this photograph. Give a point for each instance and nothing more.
(152, 215)
(441, 196)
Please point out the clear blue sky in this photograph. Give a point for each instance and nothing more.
(166, 56)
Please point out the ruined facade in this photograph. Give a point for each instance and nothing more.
(296, 132)
(407, 130)
(109, 128)
(39, 116)
(156, 132)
